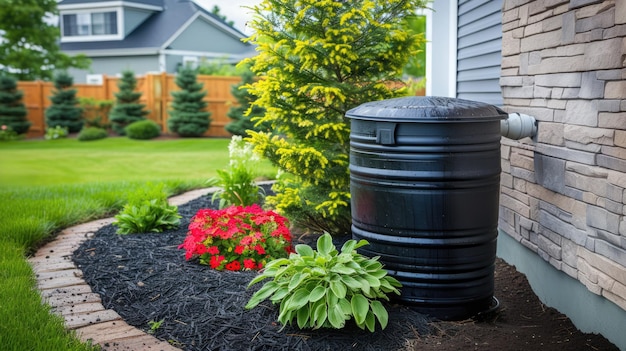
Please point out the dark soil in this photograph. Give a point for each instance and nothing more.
(146, 279)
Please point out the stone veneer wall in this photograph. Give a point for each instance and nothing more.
(562, 195)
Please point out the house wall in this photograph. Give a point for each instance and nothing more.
(562, 194)
(204, 37)
(133, 18)
(114, 65)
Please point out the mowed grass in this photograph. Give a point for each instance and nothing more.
(46, 186)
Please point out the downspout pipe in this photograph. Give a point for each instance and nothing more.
(518, 126)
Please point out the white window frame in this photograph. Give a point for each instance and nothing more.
(102, 37)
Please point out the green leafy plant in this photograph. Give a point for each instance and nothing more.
(7, 133)
(92, 133)
(325, 288)
(143, 130)
(238, 186)
(237, 238)
(147, 210)
(154, 325)
(56, 132)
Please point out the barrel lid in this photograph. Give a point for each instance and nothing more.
(426, 109)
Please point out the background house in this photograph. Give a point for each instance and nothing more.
(145, 36)
(563, 199)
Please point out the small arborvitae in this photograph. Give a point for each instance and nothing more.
(127, 108)
(188, 117)
(244, 115)
(64, 111)
(12, 110)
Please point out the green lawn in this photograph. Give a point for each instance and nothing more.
(49, 185)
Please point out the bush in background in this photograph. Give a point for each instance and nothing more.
(143, 130)
(127, 108)
(92, 133)
(12, 110)
(64, 111)
(188, 117)
(56, 132)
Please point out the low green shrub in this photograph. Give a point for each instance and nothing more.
(325, 288)
(143, 130)
(56, 132)
(147, 210)
(7, 133)
(92, 133)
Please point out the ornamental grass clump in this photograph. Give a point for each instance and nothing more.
(325, 288)
(237, 238)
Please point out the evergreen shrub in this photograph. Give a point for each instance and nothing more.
(142, 130)
(92, 133)
(64, 111)
(245, 114)
(188, 117)
(127, 108)
(317, 60)
(12, 110)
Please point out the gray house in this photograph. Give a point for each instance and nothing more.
(145, 36)
(562, 194)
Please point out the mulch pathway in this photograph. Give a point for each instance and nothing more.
(146, 280)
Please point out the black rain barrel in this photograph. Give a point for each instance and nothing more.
(425, 184)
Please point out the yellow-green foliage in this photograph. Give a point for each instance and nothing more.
(318, 59)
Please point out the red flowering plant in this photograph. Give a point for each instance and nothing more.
(237, 238)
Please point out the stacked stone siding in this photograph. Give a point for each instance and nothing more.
(563, 197)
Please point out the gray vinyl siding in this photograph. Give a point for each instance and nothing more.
(479, 47)
(203, 36)
(133, 18)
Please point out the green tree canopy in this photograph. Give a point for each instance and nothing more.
(29, 47)
(318, 59)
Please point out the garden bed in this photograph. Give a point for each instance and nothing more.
(145, 279)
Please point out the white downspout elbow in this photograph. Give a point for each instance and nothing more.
(518, 126)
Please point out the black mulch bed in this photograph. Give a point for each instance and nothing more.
(144, 277)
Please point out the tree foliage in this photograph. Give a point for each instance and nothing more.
(127, 108)
(188, 117)
(29, 48)
(244, 115)
(64, 111)
(318, 59)
(12, 110)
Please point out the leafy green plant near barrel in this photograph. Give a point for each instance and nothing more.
(326, 288)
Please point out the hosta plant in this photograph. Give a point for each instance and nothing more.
(326, 288)
(147, 211)
(237, 238)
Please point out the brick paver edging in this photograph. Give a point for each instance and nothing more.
(61, 286)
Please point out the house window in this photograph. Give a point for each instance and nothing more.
(90, 24)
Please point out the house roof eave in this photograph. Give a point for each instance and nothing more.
(115, 52)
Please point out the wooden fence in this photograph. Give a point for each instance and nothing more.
(155, 89)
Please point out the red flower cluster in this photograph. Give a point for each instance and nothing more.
(237, 237)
